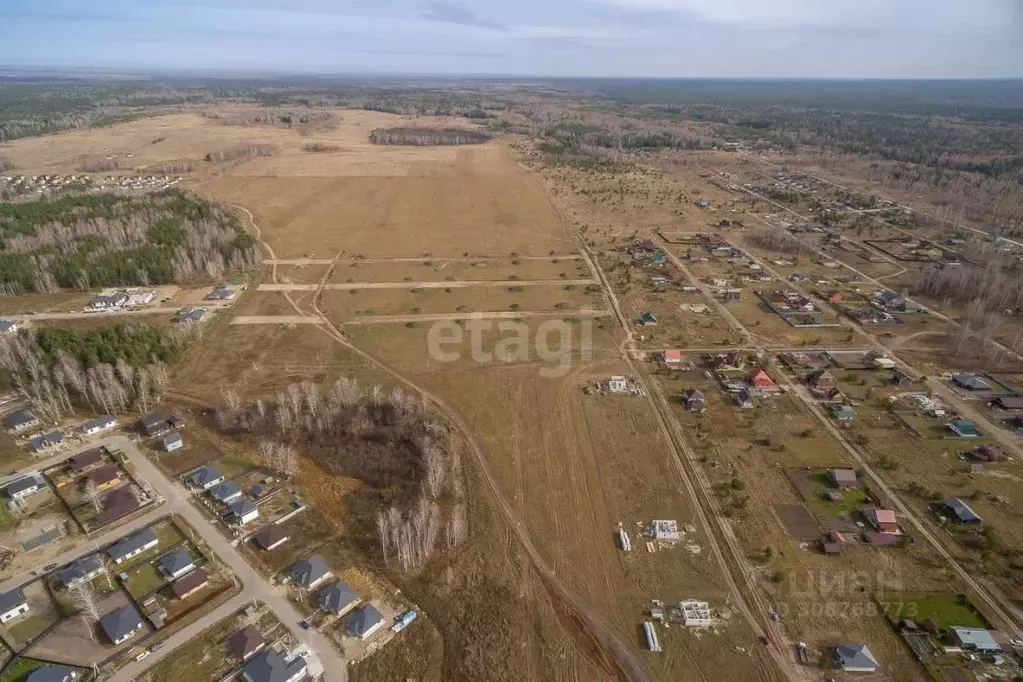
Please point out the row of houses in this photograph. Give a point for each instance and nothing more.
(212, 480)
(128, 298)
(338, 599)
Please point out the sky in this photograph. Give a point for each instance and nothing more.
(577, 38)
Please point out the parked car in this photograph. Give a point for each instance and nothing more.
(156, 647)
(304, 624)
(144, 654)
(50, 567)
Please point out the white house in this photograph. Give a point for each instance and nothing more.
(23, 487)
(9, 326)
(12, 605)
(139, 298)
(133, 545)
(244, 511)
(108, 301)
(98, 425)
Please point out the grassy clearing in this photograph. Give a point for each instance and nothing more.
(852, 500)
(945, 610)
(22, 668)
(27, 627)
(143, 580)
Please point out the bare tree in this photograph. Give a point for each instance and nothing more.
(84, 600)
(93, 495)
(433, 462)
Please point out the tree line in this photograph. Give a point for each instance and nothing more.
(411, 502)
(425, 137)
(113, 370)
(81, 241)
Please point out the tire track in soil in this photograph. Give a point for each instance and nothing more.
(595, 638)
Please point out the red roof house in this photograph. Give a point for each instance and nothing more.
(672, 357)
(882, 519)
(758, 378)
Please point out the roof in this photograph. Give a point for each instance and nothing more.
(963, 426)
(7, 325)
(51, 673)
(881, 515)
(270, 536)
(120, 622)
(245, 641)
(120, 501)
(85, 459)
(155, 422)
(104, 474)
(81, 568)
(978, 638)
(131, 543)
(694, 394)
(191, 314)
(673, 354)
(20, 418)
(855, 656)
(9, 600)
(338, 596)
(21, 485)
(962, 511)
(970, 381)
(98, 422)
(243, 508)
(189, 582)
(843, 475)
(1010, 402)
(51, 438)
(309, 570)
(172, 438)
(175, 562)
(206, 475)
(363, 620)
(226, 490)
(270, 666)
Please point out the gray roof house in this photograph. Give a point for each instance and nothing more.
(191, 315)
(156, 423)
(172, 442)
(177, 563)
(133, 545)
(226, 492)
(12, 604)
(207, 477)
(99, 424)
(339, 598)
(47, 440)
(246, 642)
(8, 326)
(855, 658)
(84, 569)
(221, 293)
(843, 478)
(22, 487)
(310, 572)
(365, 622)
(244, 511)
(52, 673)
(270, 666)
(962, 511)
(114, 300)
(971, 382)
(122, 623)
(21, 420)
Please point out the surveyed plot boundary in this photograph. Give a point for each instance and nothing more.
(276, 319)
(457, 317)
(464, 284)
(421, 260)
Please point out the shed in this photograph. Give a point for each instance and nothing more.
(173, 442)
(843, 478)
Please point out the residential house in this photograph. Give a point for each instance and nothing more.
(365, 622)
(986, 453)
(226, 492)
(833, 296)
(12, 605)
(855, 658)
(884, 363)
(9, 326)
(729, 361)
(207, 477)
(900, 378)
(159, 423)
(694, 400)
(964, 428)
(121, 624)
(844, 414)
(189, 584)
(308, 573)
(617, 384)
(270, 666)
(45, 441)
(191, 315)
(882, 519)
(648, 319)
(974, 639)
(971, 382)
(94, 426)
(176, 564)
(105, 477)
(21, 420)
(118, 503)
(21, 488)
(83, 461)
(843, 478)
(172, 442)
(221, 293)
(338, 599)
(271, 537)
(1010, 402)
(83, 570)
(133, 545)
(52, 673)
(821, 381)
(743, 399)
(799, 277)
(761, 380)
(246, 643)
(961, 511)
(889, 299)
(244, 511)
(108, 301)
(672, 358)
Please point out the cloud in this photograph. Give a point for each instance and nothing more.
(456, 13)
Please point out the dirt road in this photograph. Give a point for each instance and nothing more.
(496, 315)
(275, 319)
(371, 261)
(455, 284)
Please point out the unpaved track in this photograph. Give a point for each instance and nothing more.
(456, 284)
(629, 664)
(275, 319)
(496, 315)
(460, 259)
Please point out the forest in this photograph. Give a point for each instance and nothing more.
(426, 137)
(410, 503)
(85, 240)
(116, 369)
